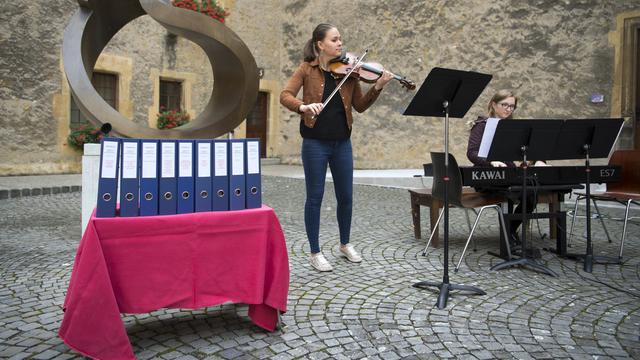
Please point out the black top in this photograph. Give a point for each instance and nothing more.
(473, 147)
(332, 121)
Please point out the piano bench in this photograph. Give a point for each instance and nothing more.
(553, 201)
(422, 197)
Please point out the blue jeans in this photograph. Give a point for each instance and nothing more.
(316, 154)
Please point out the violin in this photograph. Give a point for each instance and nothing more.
(347, 65)
(368, 72)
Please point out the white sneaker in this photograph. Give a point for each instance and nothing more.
(320, 263)
(351, 253)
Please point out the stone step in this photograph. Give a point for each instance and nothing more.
(270, 161)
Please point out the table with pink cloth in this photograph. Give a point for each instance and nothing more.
(141, 264)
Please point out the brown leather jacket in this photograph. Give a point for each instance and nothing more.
(309, 76)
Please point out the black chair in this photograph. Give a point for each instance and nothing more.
(467, 199)
(625, 192)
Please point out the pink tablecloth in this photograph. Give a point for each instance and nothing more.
(141, 264)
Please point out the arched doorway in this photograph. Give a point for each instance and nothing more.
(626, 94)
(636, 60)
(257, 122)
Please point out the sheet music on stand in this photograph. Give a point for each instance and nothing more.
(487, 137)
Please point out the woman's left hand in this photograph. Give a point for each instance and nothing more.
(383, 80)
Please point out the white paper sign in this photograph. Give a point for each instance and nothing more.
(168, 160)
(487, 137)
(149, 160)
(221, 158)
(186, 159)
(129, 160)
(204, 159)
(109, 159)
(253, 157)
(237, 158)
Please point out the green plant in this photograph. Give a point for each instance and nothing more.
(84, 134)
(207, 7)
(169, 119)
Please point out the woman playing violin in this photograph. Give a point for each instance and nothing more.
(326, 132)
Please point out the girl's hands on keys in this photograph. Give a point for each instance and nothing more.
(498, 164)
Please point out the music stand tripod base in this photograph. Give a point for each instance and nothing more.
(444, 290)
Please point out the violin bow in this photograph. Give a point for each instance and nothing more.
(355, 66)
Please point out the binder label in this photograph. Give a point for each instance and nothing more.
(168, 160)
(129, 160)
(149, 156)
(253, 157)
(109, 159)
(204, 163)
(186, 158)
(237, 158)
(221, 158)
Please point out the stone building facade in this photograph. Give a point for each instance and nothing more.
(556, 55)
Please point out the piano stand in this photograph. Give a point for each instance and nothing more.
(590, 259)
(561, 240)
(524, 261)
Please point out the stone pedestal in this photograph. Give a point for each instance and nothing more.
(90, 175)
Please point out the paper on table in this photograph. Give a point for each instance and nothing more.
(253, 157)
(168, 159)
(204, 159)
(185, 167)
(220, 153)
(237, 158)
(109, 159)
(149, 160)
(129, 160)
(487, 137)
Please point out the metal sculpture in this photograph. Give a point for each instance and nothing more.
(234, 69)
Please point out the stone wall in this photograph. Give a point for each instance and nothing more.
(554, 54)
(30, 38)
(35, 97)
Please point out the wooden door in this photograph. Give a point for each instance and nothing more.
(257, 122)
(636, 120)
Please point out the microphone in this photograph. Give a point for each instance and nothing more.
(105, 128)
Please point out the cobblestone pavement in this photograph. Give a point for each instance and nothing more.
(367, 310)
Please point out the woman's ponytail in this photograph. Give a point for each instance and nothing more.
(311, 51)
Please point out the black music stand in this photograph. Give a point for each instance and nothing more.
(446, 93)
(588, 139)
(524, 140)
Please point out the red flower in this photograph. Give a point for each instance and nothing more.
(207, 7)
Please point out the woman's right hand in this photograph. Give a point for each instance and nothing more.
(498, 164)
(311, 109)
